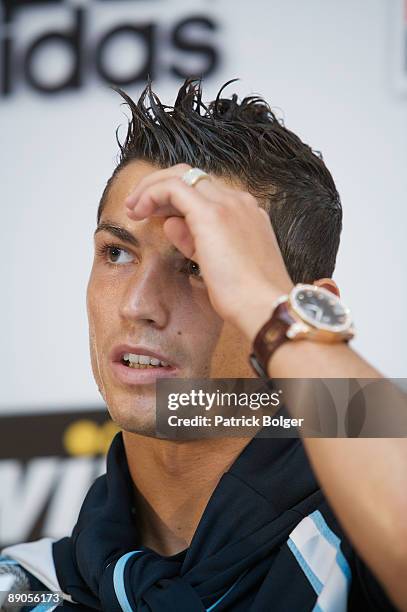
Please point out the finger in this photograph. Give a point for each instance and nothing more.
(186, 201)
(210, 188)
(154, 177)
(177, 232)
(209, 191)
(207, 185)
(167, 211)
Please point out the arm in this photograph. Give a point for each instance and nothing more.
(365, 480)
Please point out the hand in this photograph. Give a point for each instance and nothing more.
(226, 233)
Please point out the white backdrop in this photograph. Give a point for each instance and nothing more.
(329, 68)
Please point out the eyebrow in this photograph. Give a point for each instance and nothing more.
(118, 231)
(123, 234)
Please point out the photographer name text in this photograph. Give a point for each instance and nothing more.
(244, 421)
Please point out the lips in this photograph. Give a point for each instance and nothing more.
(142, 376)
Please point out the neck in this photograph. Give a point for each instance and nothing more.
(173, 482)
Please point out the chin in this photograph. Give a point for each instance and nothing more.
(144, 429)
(136, 415)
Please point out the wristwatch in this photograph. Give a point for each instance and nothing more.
(307, 312)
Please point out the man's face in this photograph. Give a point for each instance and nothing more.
(144, 297)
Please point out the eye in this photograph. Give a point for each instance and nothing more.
(114, 254)
(192, 268)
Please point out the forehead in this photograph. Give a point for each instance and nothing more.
(124, 182)
(114, 213)
(133, 172)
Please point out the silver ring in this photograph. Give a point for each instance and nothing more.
(193, 175)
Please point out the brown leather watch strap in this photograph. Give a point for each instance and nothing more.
(270, 337)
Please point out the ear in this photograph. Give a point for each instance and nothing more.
(328, 283)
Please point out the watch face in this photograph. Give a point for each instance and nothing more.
(320, 308)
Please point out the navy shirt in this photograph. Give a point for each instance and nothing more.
(267, 540)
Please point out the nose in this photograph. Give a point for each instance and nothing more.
(147, 298)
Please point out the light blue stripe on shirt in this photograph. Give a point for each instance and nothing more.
(334, 540)
(118, 580)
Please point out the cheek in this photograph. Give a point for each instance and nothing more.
(93, 310)
(100, 298)
(231, 356)
(98, 312)
(93, 355)
(198, 329)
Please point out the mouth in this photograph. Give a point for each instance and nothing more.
(140, 365)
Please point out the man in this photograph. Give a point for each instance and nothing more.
(230, 524)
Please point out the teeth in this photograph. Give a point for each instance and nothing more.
(143, 361)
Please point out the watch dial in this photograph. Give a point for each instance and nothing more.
(320, 308)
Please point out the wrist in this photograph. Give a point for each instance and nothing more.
(307, 312)
(256, 309)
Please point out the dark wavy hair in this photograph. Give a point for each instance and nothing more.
(243, 140)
